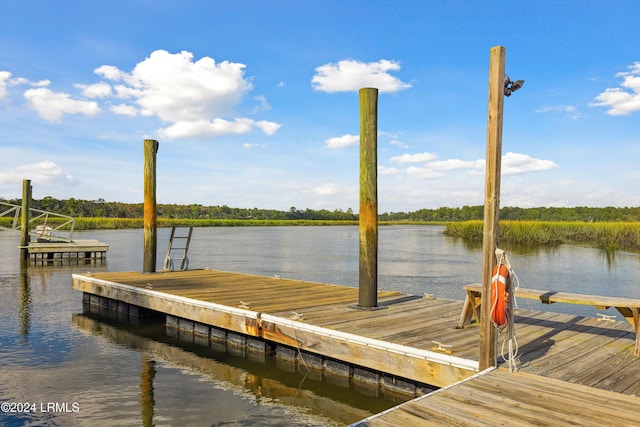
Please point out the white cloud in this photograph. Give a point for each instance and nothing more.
(512, 164)
(517, 163)
(453, 164)
(414, 158)
(110, 72)
(625, 99)
(383, 170)
(53, 105)
(263, 105)
(124, 109)
(270, 128)
(192, 96)
(342, 141)
(204, 128)
(350, 75)
(4, 78)
(422, 173)
(399, 144)
(98, 90)
(42, 174)
(325, 189)
(6, 81)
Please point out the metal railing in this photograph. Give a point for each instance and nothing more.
(39, 226)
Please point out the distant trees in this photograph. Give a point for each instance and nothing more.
(103, 209)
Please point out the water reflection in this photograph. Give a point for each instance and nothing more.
(146, 389)
(25, 301)
(269, 382)
(122, 375)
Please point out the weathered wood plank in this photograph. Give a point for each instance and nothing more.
(568, 347)
(520, 399)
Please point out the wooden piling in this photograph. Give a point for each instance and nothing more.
(368, 284)
(487, 357)
(150, 215)
(25, 219)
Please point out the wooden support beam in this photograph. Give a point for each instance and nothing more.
(25, 218)
(487, 357)
(368, 283)
(150, 214)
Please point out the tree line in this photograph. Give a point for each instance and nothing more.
(103, 209)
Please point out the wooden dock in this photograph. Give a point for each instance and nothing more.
(408, 340)
(48, 251)
(498, 398)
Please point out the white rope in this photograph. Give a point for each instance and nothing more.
(509, 331)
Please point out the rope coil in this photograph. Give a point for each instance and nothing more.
(507, 282)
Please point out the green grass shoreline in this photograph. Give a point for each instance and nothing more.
(609, 236)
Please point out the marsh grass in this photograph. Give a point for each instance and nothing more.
(608, 236)
(122, 223)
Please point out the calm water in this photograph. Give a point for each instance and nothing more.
(81, 370)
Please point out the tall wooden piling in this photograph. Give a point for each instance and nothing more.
(368, 284)
(487, 357)
(25, 218)
(150, 215)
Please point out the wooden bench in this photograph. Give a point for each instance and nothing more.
(628, 307)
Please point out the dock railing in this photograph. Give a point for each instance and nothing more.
(39, 226)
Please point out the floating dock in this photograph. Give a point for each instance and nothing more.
(49, 251)
(408, 343)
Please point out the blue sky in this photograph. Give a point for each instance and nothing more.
(255, 103)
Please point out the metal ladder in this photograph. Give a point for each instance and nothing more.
(181, 249)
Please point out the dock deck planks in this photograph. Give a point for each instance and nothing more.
(498, 397)
(585, 356)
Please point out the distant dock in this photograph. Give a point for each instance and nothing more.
(44, 251)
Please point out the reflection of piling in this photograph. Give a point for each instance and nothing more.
(147, 401)
(150, 216)
(488, 337)
(368, 285)
(25, 218)
(25, 299)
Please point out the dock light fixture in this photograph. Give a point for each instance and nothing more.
(510, 86)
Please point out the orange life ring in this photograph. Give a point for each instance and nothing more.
(500, 287)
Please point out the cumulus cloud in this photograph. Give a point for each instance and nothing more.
(124, 110)
(270, 128)
(383, 170)
(325, 189)
(194, 96)
(423, 172)
(350, 75)
(4, 79)
(342, 141)
(517, 163)
(453, 164)
(215, 127)
(53, 105)
(42, 174)
(512, 164)
(98, 90)
(625, 99)
(414, 158)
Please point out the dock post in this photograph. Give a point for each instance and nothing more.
(368, 284)
(150, 214)
(488, 339)
(25, 218)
